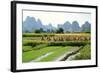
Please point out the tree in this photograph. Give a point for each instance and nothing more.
(39, 30)
(87, 30)
(59, 30)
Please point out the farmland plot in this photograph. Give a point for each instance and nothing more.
(55, 47)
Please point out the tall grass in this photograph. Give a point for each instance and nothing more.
(85, 53)
(57, 43)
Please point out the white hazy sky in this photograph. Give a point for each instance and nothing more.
(56, 18)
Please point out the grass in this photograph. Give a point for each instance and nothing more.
(31, 55)
(52, 34)
(37, 35)
(54, 43)
(27, 48)
(85, 53)
(33, 42)
(30, 48)
(34, 46)
(57, 53)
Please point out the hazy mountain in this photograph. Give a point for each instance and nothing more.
(75, 26)
(31, 24)
(86, 27)
(50, 27)
(60, 25)
(39, 24)
(67, 27)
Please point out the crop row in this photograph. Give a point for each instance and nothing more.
(57, 43)
(66, 38)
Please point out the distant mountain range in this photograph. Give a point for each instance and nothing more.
(31, 24)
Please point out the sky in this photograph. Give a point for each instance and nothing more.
(56, 18)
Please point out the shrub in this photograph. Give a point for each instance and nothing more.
(38, 47)
(37, 35)
(26, 48)
(69, 43)
(85, 53)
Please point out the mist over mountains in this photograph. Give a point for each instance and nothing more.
(31, 24)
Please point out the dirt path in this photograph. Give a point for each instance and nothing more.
(72, 56)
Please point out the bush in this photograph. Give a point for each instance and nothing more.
(41, 46)
(27, 48)
(69, 43)
(37, 35)
(85, 53)
(32, 43)
(56, 43)
(36, 47)
(60, 30)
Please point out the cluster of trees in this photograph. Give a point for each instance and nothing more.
(59, 30)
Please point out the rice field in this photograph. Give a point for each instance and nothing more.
(46, 47)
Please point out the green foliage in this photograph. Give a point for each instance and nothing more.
(32, 43)
(56, 53)
(26, 48)
(37, 35)
(69, 43)
(56, 43)
(39, 30)
(85, 53)
(30, 48)
(38, 47)
(87, 31)
(32, 55)
(34, 47)
(60, 30)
